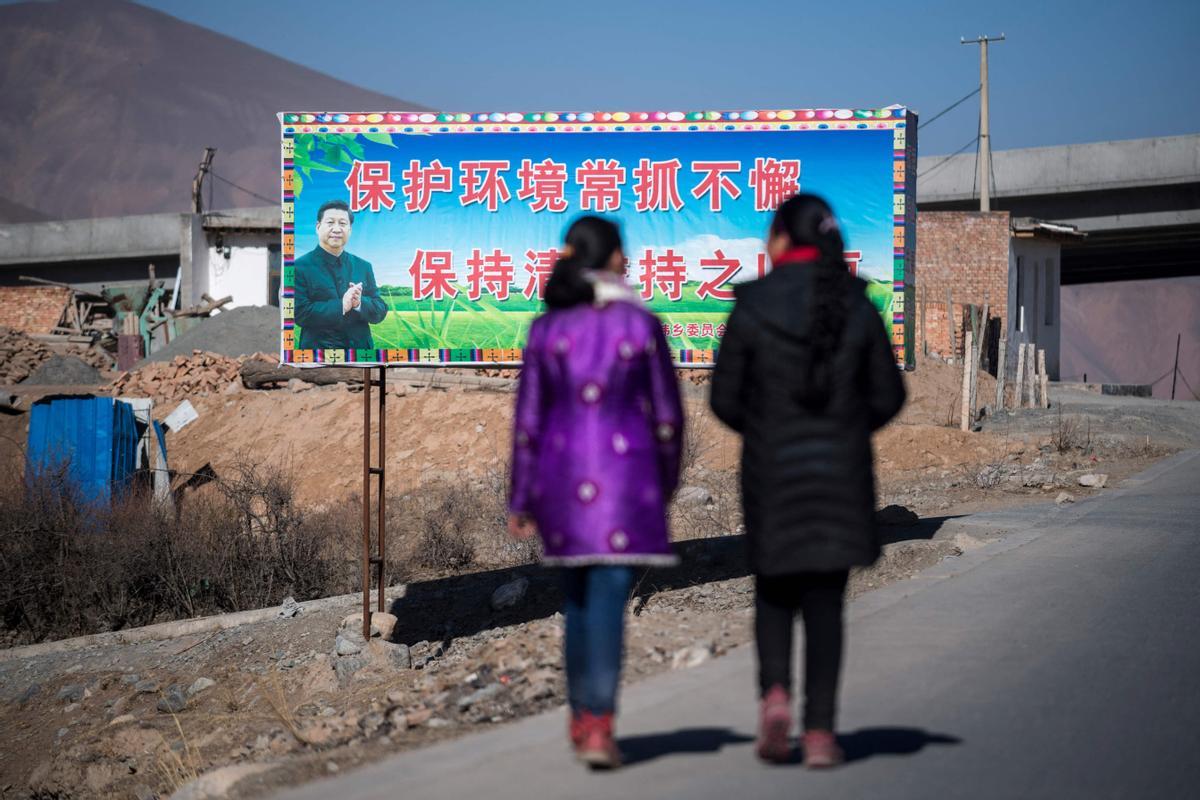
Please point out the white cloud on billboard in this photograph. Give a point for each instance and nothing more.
(705, 246)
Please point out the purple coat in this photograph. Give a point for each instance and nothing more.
(597, 433)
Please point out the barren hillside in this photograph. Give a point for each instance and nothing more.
(108, 106)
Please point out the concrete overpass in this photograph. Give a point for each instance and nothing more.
(1138, 201)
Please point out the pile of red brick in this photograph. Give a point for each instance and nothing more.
(199, 375)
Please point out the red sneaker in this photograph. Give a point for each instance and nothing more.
(821, 750)
(575, 729)
(596, 747)
(775, 722)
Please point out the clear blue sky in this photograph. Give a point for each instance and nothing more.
(1070, 71)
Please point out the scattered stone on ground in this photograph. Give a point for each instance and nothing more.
(173, 700)
(1064, 498)
(1093, 481)
(693, 495)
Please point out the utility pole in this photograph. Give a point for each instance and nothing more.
(985, 143)
(198, 182)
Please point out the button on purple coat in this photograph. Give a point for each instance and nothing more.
(597, 433)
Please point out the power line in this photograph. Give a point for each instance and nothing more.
(946, 159)
(1188, 385)
(950, 107)
(978, 138)
(243, 188)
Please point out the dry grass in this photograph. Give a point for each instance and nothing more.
(274, 695)
(175, 769)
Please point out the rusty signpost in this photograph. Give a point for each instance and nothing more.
(376, 558)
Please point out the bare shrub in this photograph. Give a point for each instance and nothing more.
(699, 436)
(720, 514)
(1070, 435)
(69, 567)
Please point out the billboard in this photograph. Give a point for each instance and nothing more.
(452, 221)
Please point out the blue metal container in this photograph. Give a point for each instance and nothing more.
(95, 439)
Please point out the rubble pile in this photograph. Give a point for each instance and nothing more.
(199, 374)
(21, 355)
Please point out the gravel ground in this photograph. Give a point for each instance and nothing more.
(237, 332)
(63, 371)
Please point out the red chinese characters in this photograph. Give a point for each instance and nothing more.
(544, 183)
(774, 181)
(716, 182)
(538, 264)
(657, 185)
(716, 288)
(493, 272)
(667, 271)
(600, 183)
(482, 183)
(422, 182)
(370, 185)
(432, 272)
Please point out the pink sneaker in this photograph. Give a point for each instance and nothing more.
(575, 729)
(775, 722)
(596, 747)
(821, 750)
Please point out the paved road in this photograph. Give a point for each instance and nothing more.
(1060, 662)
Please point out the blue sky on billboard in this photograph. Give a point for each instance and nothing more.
(1070, 71)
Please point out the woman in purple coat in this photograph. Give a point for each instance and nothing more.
(596, 446)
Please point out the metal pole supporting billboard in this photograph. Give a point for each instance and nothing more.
(373, 557)
(985, 141)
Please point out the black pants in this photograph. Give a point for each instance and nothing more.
(819, 597)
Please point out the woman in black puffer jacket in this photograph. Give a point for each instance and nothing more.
(805, 373)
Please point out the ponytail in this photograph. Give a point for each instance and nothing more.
(590, 243)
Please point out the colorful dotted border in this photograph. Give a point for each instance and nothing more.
(897, 119)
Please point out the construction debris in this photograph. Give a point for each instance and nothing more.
(181, 417)
(21, 355)
(200, 374)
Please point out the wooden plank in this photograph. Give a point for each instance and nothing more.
(1030, 369)
(950, 325)
(1019, 393)
(1001, 369)
(1044, 384)
(967, 411)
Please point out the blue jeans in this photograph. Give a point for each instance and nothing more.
(595, 613)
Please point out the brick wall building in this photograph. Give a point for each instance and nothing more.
(968, 258)
(32, 309)
(962, 259)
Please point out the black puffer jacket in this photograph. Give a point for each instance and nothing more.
(808, 486)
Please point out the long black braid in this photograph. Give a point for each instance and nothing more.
(808, 220)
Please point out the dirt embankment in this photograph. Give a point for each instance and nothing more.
(276, 699)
